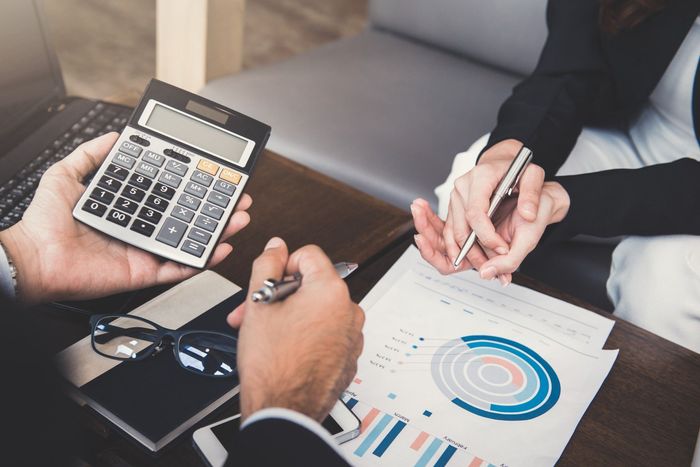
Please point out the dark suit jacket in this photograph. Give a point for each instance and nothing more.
(587, 77)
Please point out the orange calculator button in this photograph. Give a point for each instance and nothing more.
(208, 167)
(230, 176)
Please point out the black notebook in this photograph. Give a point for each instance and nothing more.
(155, 400)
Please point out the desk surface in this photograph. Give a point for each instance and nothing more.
(647, 412)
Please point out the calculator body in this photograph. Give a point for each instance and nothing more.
(172, 180)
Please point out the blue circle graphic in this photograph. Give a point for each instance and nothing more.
(495, 378)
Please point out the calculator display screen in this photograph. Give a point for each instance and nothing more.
(197, 133)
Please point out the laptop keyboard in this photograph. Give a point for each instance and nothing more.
(17, 193)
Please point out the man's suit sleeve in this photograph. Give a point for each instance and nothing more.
(570, 84)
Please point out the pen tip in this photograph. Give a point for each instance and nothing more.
(352, 267)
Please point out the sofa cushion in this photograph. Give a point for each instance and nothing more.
(508, 34)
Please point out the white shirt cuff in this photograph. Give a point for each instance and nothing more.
(7, 288)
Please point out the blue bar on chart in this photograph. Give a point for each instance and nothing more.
(446, 456)
(389, 438)
(373, 435)
(351, 402)
(429, 453)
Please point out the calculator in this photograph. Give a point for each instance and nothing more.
(172, 180)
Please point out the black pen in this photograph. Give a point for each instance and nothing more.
(274, 290)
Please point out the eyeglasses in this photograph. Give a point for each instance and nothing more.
(131, 338)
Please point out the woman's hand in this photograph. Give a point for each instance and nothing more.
(59, 258)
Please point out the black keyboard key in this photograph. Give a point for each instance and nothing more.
(118, 218)
(144, 228)
(126, 205)
(117, 172)
(140, 181)
(93, 207)
(133, 193)
(150, 215)
(157, 203)
(164, 191)
(110, 184)
(101, 195)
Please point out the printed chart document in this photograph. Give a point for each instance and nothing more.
(459, 371)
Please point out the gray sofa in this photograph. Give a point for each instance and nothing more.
(387, 110)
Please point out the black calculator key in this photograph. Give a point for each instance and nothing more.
(164, 191)
(118, 218)
(193, 248)
(133, 193)
(110, 184)
(102, 195)
(156, 203)
(200, 235)
(93, 207)
(172, 232)
(150, 215)
(144, 228)
(117, 172)
(140, 181)
(126, 205)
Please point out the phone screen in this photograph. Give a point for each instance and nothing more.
(226, 431)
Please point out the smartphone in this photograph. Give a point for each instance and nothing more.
(211, 441)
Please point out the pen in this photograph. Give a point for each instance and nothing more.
(505, 189)
(274, 290)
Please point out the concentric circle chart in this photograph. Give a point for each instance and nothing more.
(495, 378)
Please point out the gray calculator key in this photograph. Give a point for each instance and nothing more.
(200, 235)
(190, 201)
(218, 199)
(206, 223)
(201, 177)
(176, 167)
(153, 158)
(192, 248)
(183, 214)
(146, 169)
(124, 160)
(130, 149)
(212, 211)
(172, 232)
(194, 189)
(225, 187)
(169, 179)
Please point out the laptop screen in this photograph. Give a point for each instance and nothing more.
(28, 77)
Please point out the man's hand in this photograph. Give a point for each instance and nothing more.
(59, 258)
(301, 353)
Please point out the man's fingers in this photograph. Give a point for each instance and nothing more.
(244, 203)
(88, 156)
(235, 318)
(530, 190)
(238, 221)
(311, 262)
(270, 264)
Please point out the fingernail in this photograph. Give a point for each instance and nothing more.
(489, 273)
(274, 242)
(415, 239)
(503, 280)
(501, 250)
(413, 209)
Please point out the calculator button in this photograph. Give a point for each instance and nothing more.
(130, 149)
(208, 167)
(200, 235)
(198, 190)
(183, 214)
(151, 215)
(230, 176)
(153, 158)
(109, 184)
(218, 199)
(224, 187)
(124, 160)
(126, 205)
(172, 231)
(140, 181)
(169, 179)
(101, 195)
(176, 168)
(144, 228)
(138, 140)
(192, 248)
(117, 172)
(133, 193)
(164, 191)
(93, 207)
(189, 201)
(206, 223)
(146, 169)
(118, 218)
(157, 203)
(212, 211)
(201, 177)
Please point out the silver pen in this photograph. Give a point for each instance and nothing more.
(274, 290)
(505, 189)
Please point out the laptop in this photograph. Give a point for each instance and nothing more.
(39, 123)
